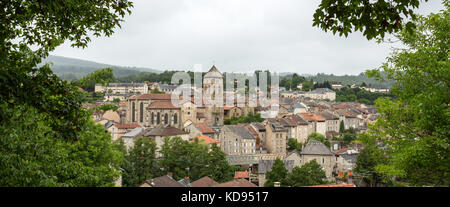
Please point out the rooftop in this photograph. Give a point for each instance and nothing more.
(165, 131)
(316, 148)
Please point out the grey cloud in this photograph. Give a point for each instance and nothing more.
(238, 35)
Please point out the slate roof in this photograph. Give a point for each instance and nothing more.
(134, 133)
(152, 96)
(316, 148)
(266, 165)
(185, 183)
(328, 115)
(276, 126)
(204, 182)
(125, 84)
(321, 90)
(259, 126)
(167, 87)
(240, 131)
(164, 181)
(237, 183)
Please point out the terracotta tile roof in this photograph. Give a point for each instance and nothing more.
(152, 96)
(227, 107)
(162, 105)
(236, 183)
(123, 103)
(251, 130)
(312, 117)
(207, 140)
(201, 115)
(335, 185)
(241, 174)
(342, 150)
(204, 182)
(345, 113)
(204, 128)
(127, 126)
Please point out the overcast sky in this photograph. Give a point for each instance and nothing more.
(236, 35)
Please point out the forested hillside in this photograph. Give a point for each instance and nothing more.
(71, 68)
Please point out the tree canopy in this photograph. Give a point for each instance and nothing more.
(415, 126)
(373, 18)
(308, 174)
(48, 137)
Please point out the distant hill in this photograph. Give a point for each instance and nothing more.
(351, 79)
(71, 68)
(344, 79)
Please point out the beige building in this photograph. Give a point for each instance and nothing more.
(321, 94)
(318, 123)
(297, 127)
(159, 133)
(331, 120)
(136, 106)
(213, 88)
(276, 137)
(237, 140)
(315, 150)
(117, 129)
(122, 88)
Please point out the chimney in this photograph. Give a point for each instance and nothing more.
(187, 179)
(170, 174)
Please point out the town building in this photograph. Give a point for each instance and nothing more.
(276, 137)
(237, 140)
(316, 150)
(122, 88)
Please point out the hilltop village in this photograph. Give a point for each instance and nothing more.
(322, 129)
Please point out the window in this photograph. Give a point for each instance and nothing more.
(166, 119)
(133, 108)
(323, 160)
(141, 112)
(153, 118)
(175, 118)
(158, 118)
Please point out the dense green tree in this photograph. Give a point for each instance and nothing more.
(218, 167)
(360, 95)
(101, 76)
(373, 18)
(33, 154)
(341, 127)
(46, 25)
(368, 158)
(140, 163)
(192, 159)
(308, 174)
(308, 85)
(277, 174)
(244, 119)
(415, 127)
(319, 137)
(107, 107)
(294, 145)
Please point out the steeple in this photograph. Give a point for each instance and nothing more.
(213, 69)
